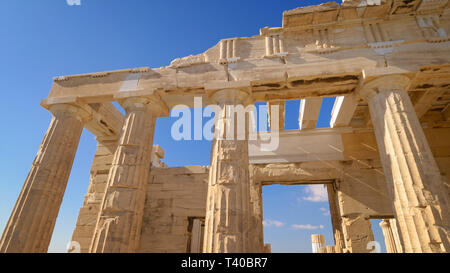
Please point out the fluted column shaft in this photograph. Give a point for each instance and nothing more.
(257, 234)
(228, 203)
(388, 236)
(395, 233)
(414, 180)
(317, 242)
(331, 249)
(335, 218)
(119, 224)
(31, 224)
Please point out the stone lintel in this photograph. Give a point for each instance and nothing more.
(314, 145)
(218, 85)
(106, 119)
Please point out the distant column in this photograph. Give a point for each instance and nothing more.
(322, 250)
(269, 46)
(330, 249)
(31, 224)
(267, 248)
(388, 236)
(318, 242)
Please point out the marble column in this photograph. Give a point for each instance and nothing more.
(388, 237)
(119, 223)
(322, 250)
(414, 181)
(228, 208)
(395, 232)
(318, 243)
(331, 249)
(257, 232)
(31, 224)
(335, 218)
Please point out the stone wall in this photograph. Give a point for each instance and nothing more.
(174, 196)
(87, 217)
(362, 194)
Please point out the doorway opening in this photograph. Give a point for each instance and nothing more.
(292, 213)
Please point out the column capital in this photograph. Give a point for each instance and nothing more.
(232, 96)
(383, 84)
(61, 109)
(153, 104)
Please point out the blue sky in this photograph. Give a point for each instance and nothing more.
(46, 38)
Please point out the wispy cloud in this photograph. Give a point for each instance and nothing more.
(325, 212)
(272, 223)
(73, 2)
(316, 193)
(307, 227)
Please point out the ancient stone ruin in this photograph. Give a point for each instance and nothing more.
(386, 155)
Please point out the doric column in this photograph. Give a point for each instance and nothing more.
(322, 250)
(119, 223)
(257, 232)
(331, 249)
(317, 242)
(414, 180)
(388, 236)
(335, 218)
(395, 233)
(228, 210)
(31, 224)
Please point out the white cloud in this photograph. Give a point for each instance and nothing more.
(307, 227)
(73, 2)
(325, 212)
(316, 193)
(274, 223)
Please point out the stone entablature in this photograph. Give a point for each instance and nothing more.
(305, 64)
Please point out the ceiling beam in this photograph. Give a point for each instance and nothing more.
(343, 109)
(309, 113)
(281, 114)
